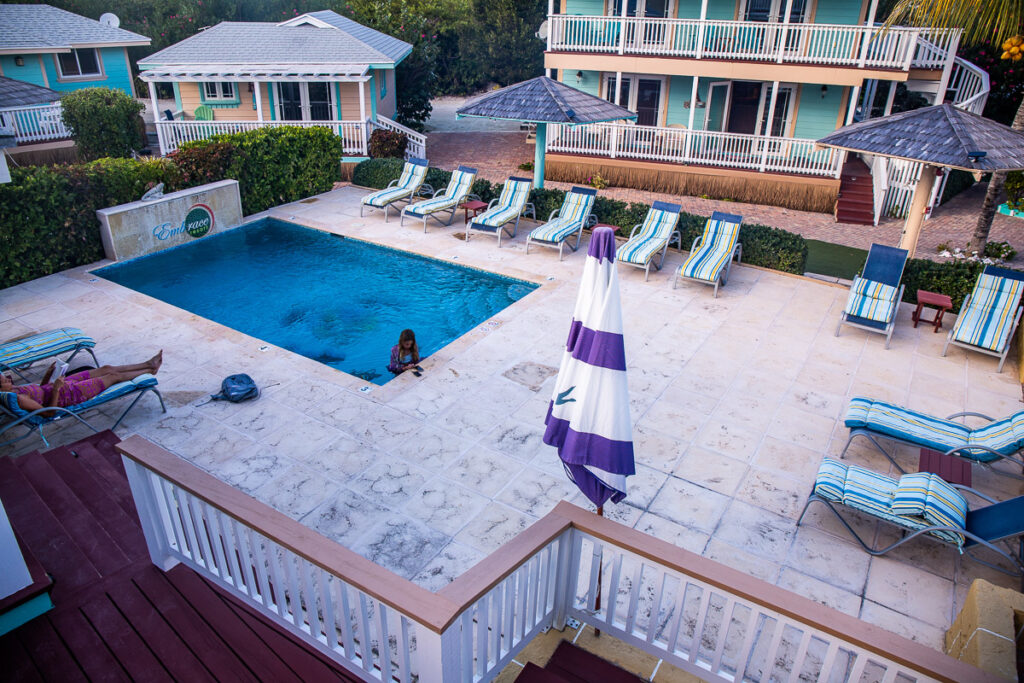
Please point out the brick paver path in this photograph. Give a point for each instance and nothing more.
(497, 156)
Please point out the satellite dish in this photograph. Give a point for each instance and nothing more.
(155, 192)
(110, 19)
(542, 32)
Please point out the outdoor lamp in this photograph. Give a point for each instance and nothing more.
(19, 61)
(579, 76)
(824, 90)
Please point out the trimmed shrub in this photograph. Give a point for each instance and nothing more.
(50, 212)
(104, 122)
(204, 163)
(955, 279)
(388, 144)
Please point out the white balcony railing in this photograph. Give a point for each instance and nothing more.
(713, 621)
(809, 44)
(172, 133)
(417, 146)
(707, 148)
(35, 124)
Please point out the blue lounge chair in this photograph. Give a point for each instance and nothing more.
(402, 189)
(510, 206)
(712, 252)
(922, 504)
(654, 235)
(998, 441)
(35, 422)
(574, 215)
(22, 353)
(876, 293)
(989, 314)
(458, 191)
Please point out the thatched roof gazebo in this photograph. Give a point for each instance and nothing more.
(543, 100)
(939, 136)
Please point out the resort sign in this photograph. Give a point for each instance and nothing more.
(151, 225)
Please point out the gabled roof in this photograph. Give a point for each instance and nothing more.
(325, 38)
(21, 94)
(44, 28)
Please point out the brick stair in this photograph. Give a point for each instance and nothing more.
(856, 194)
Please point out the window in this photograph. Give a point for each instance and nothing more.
(218, 91)
(383, 87)
(77, 63)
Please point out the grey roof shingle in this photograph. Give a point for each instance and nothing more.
(32, 27)
(21, 94)
(542, 99)
(942, 135)
(265, 43)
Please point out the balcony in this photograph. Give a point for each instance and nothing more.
(34, 124)
(696, 147)
(844, 45)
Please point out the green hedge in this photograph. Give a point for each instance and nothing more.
(49, 216)
(955, 279)
(103, 121)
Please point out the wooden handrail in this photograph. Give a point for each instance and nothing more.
(439, 610)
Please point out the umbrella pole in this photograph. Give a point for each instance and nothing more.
(918, 209)
(600, 567)
(540, 142)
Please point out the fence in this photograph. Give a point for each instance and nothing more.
(417, 146)
(172, 133)
(713, 621)
(35, 124)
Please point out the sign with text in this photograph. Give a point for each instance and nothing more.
(143, 227)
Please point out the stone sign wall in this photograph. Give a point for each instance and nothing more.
(143, 227)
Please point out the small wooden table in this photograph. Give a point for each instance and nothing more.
(474, 206)
(613, 228)
(951, 468)
(940, 302)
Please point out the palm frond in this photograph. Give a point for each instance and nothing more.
(983, 21)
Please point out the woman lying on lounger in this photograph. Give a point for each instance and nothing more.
(77, 388)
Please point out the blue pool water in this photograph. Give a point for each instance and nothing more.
(338, 301)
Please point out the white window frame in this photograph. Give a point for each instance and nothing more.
(634, 89)
(99, 73)
(221, 95)
(304, 100)
(765, 100)
(775, 16)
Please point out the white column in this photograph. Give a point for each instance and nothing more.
(947, 70)
(551, 11)
(156, 117)
(362, 116)
(918, 209)
(694, 83)
(889, 99)
(701, 28)
(259, 100)
(866, 36)
(618, 87)
(622, 28)
(852, 109)
(768, 125)
(785, 30)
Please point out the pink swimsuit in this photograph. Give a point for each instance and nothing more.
(78, 388)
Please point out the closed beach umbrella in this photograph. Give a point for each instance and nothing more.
(588, 417)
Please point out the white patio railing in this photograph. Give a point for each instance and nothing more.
(172, 133)
(710, 148)
(710, 620)
(816, 44)
(35, 124)
(417, 146)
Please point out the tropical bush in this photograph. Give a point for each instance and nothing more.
(104, 122)
(955, 279)
(388, 144)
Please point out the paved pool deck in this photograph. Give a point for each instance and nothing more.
(735, 400)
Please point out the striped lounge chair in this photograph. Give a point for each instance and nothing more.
(505, 210)
(922, 504)
(34, 421)
(444, 200)
(712, 253)
(654, 235)
(21, 353)
(998, 441)
(876, 293)
(989, 314)
(567, 221)
(402, 189)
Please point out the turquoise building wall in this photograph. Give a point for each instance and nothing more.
(117, 73)
(591, 82)
(837, 12)
(30, 72)
(585, 7)
(817, 115)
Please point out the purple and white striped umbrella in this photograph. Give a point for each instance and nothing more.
(588, 417)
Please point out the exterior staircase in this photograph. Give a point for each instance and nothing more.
(571, 664)
(856, 194)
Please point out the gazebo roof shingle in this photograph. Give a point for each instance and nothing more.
(543, 100)
(943, 135)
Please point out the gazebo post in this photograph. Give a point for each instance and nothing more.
(541, 142)
(918, 208)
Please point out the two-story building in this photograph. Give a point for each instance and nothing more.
(732, 94)
(317, 69)
(62, 51)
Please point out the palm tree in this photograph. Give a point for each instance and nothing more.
(984, 22)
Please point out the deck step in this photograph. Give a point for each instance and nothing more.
(41, 582)
(573, 664)
(856, 202)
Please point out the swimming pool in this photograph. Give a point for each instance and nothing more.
(339, 301)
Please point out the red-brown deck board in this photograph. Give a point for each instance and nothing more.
(117, 617)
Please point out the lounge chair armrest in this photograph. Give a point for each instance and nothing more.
(696, 240)
(529, 207)
(491, 204)
(676, 238)
(633, 231)
(970, 414)
(553, 214)
(393, 183)
(437, 193)
(590, 221)
(425, 190)
(973, 492)
(474, 197)
(979, 447)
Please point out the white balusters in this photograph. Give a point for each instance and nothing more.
(34, 124)
(175, 133)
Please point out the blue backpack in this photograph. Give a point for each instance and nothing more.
(237, 388)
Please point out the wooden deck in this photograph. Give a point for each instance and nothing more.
(116, 616)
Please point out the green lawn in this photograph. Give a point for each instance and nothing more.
(825, 258)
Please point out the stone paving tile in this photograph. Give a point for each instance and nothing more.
(735, 401)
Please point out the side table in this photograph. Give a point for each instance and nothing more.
(473, 205)
(951, 468)
(940, 302)
(613, 228)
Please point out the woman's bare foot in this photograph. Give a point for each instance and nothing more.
(155, 362)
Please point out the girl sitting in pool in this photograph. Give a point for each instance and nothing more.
(405, 355)
(76, 388)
